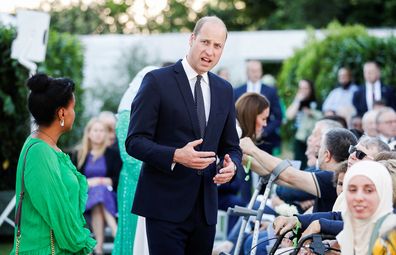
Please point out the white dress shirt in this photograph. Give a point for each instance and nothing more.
(254, 87)
(369, 93)
(339, 98)
(192, 78)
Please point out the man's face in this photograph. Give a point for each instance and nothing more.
(313, 144)
(371, 72)
(322, 154)
(207, 46)
(370, 154)
(386, 125)
(344, 77)
(369, 125)
(254, 71)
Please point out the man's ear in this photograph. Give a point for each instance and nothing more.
(328, 156)
(192, 37)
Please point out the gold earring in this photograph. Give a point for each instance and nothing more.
(62, 122)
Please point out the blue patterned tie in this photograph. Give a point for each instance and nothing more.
(200, 106)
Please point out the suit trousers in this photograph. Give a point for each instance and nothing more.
(189, 237)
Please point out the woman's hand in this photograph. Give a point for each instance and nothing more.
(283, 224)
(247, 145)
(313, 228)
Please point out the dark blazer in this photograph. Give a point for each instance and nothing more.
(271, 133)
(163, 118)
(113, 165)
(359, 98)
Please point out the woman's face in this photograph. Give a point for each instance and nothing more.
(261, 121)
(304, 89)
(362, 197)
(97, 133)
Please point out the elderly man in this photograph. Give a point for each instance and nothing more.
(386, 125)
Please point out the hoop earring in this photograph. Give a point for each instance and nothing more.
(62, 122)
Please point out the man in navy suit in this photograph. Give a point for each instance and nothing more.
(182, 118)
(373, 90)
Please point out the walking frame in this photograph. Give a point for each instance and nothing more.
(246, 212)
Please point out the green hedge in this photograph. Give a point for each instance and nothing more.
(64, 58)
(320, 59)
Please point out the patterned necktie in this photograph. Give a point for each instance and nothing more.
(199, 105)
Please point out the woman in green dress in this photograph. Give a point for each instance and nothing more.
(127, 222)
(51, 219)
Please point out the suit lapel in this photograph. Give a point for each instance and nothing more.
(184, 87)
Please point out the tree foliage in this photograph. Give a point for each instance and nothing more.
(320, 59)
(13, 109)
(110, 92)
(64, 58)
(123, 16)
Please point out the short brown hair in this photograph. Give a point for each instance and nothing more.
(205, 19)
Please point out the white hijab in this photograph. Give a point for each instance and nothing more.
(133, 88)
(355, 237)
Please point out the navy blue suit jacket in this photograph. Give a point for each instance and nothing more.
(271, 133)
(360, 103)
(163, 118)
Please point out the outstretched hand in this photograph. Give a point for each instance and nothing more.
(226, 173)
(247, 145)
(189, 157)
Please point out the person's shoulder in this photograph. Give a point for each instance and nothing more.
(361, 88)
(38, 146)
(241, 88)
(323, 174)
(268, 89)
(387, 87)
(388, 223)
(213, 78)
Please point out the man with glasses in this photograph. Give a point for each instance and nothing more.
(366, 149)
(386, 125)
(331, 222)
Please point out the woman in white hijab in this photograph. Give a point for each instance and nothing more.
(368, 191)
(126, 241)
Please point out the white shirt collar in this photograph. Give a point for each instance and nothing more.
(191, 73)
(376, 85)
(254, 87)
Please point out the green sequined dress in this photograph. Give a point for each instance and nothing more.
(129, 176)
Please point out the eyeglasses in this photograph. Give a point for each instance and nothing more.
(359, 154)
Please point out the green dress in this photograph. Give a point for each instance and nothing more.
(55, 196)
(129, 176)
